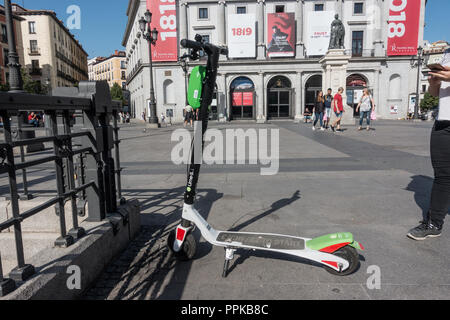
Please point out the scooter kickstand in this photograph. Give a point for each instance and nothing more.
(229, 255)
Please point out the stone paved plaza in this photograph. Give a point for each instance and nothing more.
(374, 184)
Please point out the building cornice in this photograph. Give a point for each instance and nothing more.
(133, 6)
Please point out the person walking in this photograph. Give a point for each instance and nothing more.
(338, 110)
(367, 106)
(433, 223)
(319, 108)
(189, 116)
(328, 102)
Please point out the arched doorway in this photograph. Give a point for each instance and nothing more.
(242, 92)
(356, 83)
(279, 98)
(312, 88)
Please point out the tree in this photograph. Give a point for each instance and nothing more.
(116, 92)
(31, 86)
(429, 102)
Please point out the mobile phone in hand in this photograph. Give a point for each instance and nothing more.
(435, 67)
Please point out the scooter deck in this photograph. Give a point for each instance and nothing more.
(263, 241)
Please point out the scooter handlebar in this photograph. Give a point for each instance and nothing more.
(191, 44)
(197, 46)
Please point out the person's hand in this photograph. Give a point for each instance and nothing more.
(438, 76)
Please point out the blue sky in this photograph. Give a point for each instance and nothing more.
(103, 21)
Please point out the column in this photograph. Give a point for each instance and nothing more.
(183, 24)
(300, 51)
(377, 21)
(298, 97)
(221, 23)
(261, 99)
(261, 47)
(222, 108)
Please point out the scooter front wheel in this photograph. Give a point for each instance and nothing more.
(351, 255)
(188, 248)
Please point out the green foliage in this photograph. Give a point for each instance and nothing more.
(31, 86)
(116, 92)
(429, 102)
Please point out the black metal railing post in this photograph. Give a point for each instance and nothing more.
(20, 136)
(22, 271)
(118, 169)
(95, 194)
(65, 240)
(76, 232)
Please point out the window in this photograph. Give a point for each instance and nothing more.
(241, 10)
(35, 64)
(123, 65)
(206, 38)
(203, 13)
(32, 26)
(6, 57)
(123, 75)
(357, 43)
(424, 88)
(318, 7)
(4, 34)
(358, 8)
(33, 46)
(279, 9)
(169, 92)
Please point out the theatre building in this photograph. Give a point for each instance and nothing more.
(275, 65)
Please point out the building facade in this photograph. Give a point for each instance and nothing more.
(4, 46)
(268, 85)
(111, 69)
(52, 55)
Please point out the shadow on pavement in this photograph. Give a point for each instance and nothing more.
(146, 270)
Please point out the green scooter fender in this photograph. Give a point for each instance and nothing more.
(195, 88)
(333, 242)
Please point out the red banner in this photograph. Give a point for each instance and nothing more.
(247, 99)
(281, 34)
(237, 99)
(403, 33)
(164, 19)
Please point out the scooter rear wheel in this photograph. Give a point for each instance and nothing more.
(188, 249)
(351, 255)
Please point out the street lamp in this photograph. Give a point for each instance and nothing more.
(184, 66)
(151, 36)
(419, 64)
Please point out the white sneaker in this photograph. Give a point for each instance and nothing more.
(322, 129)
(314, 128)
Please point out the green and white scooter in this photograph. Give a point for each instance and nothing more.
(336, 252)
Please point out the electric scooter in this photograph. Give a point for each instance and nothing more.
(336, 252)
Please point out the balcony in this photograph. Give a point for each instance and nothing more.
(35, 72)
(34, 51)
(360, 53)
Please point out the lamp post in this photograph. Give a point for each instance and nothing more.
(419, 63)
(184, 66)
(15, 78)
(151, 36)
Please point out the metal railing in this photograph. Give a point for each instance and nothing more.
(95, 178)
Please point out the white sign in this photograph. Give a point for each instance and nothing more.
(318, 30)
(358, 94)
(241, 36)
